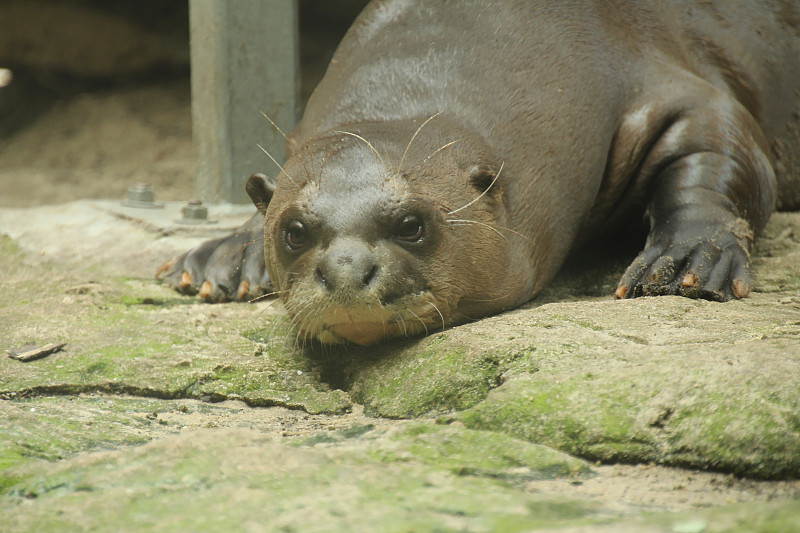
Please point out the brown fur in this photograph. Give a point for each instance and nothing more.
(515, 130)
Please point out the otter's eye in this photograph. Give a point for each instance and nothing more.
(296, 236)
(409, 229)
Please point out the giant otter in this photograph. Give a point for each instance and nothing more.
(456, 152)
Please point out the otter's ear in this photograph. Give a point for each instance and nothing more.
(260, 189)
(482, 177)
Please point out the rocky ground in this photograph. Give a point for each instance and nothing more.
(575, 413)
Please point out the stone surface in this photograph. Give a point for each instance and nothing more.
(158, 404)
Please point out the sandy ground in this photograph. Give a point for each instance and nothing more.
(98, 144)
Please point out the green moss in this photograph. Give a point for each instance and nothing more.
(156, 302)
(330, 437)
(276, 328)
(175, 484)
(766, 517)
(576, 321)
(9, 457)
(716, 430)
(9, 247)
(38, 428)
(461, 451)
(263, 387)
(555, 414)
(484, 453)
(731, 434)
(418, 382)
(7, 482)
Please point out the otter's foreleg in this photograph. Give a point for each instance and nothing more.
(219, 270)
(712, 190)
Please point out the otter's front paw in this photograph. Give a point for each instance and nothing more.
(228, 268)
(712, 268)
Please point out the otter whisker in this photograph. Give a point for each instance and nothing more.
(466, 222)
(374, 151)
(407, 332)
(483, 224)
(265, 296)
(302, 159)
(451, 143)
(501, 297)
(403, 158)
(302, 334)
(383, 320)
(278, 164)
(440, 314)
(296, 312)
(384, 323)
(400, 321)
(298, 319)
(425, 327)
(307, 151)
(270, 156)
(274, 125)
(481, 195)
(288, 141)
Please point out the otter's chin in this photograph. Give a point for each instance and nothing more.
(362, 333)
(368, 323)
(365, 329)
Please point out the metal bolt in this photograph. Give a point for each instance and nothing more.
(141, 195)
(141, 192)
(194, 210)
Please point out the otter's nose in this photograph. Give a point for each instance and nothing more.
(348, 265)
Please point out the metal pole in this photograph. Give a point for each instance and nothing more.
(245, 60)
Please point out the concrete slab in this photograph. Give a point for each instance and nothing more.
(105, 236)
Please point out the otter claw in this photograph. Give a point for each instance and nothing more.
(244, 290)
(185, 281)
(166, 267)
(740, 288)
(621, 292)
(712, 269)
(205, 290)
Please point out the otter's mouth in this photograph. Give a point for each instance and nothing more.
(361, 327)
(367, 325)
(362, 333)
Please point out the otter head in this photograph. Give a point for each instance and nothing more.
(386, 230)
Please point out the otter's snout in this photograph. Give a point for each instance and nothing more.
(347, 266)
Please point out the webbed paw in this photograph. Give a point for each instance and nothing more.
(713, 268)
(224, 269)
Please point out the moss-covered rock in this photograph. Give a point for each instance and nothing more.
(663, 380)
(457, 449)
(128, 336)
(776, 517)
(420, 377)
(235, 480)
(54, 428)
(413, 477)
